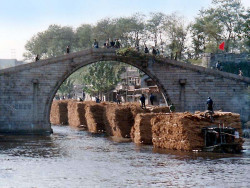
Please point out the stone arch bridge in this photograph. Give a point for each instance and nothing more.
(27, 91)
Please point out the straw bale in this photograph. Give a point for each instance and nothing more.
(182, 131)
(76, 114)
(118, 120)
(160, 109)
(59, 112)
(94, 117)
(141, 132)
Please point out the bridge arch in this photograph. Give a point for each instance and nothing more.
(27, 90)
(85, 63)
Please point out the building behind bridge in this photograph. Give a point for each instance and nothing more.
(6, 63)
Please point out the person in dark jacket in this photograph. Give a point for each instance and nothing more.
(209, 104)
(112, 44)
(146, 50)
(172, 108)
(97, 100)
(37, 57)
(67, 50)
(142, 99)
(154, 52)
(218, 66)
(118, 98)
(117, 43)
(152, 97)
(95, 44)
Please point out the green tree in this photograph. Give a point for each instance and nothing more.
(223, 22)
(84, 36)
(155, 26)
(130, 29)
(66, 87)
(50, 43)
(102, 77)
(104, 30)
(245, 38)
(206, 32)
(176, 32)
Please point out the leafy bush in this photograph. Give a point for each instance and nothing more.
(234, 68)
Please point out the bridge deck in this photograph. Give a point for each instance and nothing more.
(107, 54)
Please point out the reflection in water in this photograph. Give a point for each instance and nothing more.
(72, 158)
(29, 146)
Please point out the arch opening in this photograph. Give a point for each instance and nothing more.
(133, 81)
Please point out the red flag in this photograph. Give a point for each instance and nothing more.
(222, 45)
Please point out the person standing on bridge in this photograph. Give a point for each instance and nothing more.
(240, 72)
(210, 104)
(154, 51)
(146, 49)
(112, 44)
(107, 44)
(117, 43)
(157, 51)
(67, 50)
(218, 66)
(96, 44)
(37, 57)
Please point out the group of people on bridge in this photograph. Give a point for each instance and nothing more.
(107, 44)
(116, 44)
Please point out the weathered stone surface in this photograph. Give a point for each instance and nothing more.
(27, 91)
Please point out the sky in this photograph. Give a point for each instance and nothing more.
(22, 19)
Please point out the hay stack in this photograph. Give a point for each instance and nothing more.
(135, 108)
(59, 112)
(118, 120)
(158, 109)
(94, 117)
(141, 132)
(76, 114)
(182, 131)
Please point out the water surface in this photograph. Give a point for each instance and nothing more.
(71, 158)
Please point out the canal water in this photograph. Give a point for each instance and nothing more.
(70, 158)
